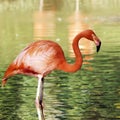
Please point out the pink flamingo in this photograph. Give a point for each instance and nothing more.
(42, 57)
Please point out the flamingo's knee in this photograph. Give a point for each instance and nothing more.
(39, 104)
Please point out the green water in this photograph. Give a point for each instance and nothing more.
(93, 93)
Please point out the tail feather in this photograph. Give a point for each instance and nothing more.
(4, 80)
(9, 72)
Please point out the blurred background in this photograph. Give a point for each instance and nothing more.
(93, 93)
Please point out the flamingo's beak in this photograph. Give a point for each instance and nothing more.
(97, 42)
(98, 46)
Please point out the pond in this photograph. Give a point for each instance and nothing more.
(92, 93)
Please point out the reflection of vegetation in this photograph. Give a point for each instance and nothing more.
(93, 6)
(88, 94)
(11, 5)
(10, 100)
(17, 99)
(53, 4)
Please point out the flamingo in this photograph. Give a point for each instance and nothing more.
(43, 56)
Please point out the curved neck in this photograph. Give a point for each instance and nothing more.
(78, 60)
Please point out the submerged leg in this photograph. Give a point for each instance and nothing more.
(39, 98)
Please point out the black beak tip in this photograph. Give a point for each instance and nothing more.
(98, 47)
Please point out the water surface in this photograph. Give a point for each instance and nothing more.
(93, 93)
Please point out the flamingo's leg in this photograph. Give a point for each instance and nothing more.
(39, 98)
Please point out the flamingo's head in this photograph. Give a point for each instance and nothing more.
(89, 34)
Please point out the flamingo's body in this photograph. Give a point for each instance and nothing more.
(41, 57)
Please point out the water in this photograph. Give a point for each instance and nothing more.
(93, 93)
